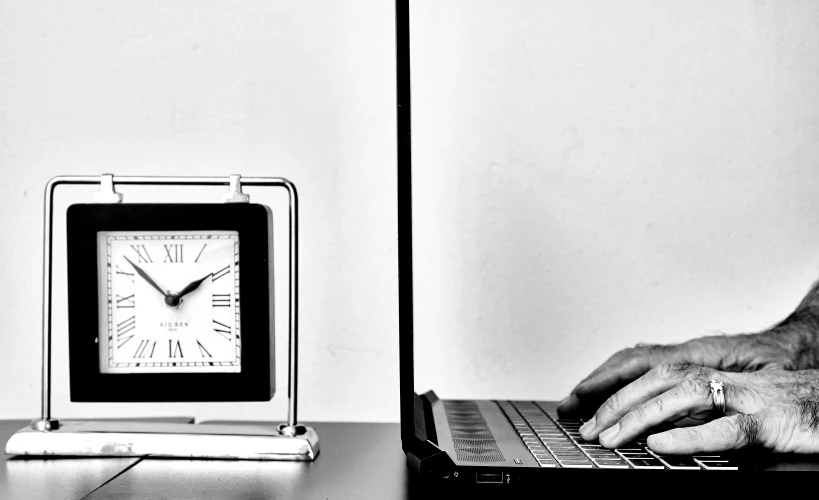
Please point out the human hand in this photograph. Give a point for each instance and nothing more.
(774, 409)
(736, 353)
(793, 344)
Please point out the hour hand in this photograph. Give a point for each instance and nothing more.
(191, 287)
(146, 277)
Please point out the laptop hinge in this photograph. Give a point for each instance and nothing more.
(428, 399)
(426, 459)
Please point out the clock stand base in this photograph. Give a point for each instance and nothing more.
(224, 440)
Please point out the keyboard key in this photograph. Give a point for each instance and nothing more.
(611, 464)
(645, 463)
(631, 445)
(678, 462)
(560, 454)
(576, 464)
(714, 465)
(555, 441)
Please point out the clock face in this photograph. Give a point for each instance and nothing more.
(169, 302)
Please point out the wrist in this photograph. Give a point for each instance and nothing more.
(798, 335)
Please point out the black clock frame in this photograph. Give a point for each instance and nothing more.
(255, 381)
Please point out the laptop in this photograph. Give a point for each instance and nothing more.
(491, 443)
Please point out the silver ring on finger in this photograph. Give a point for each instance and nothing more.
(718, 395)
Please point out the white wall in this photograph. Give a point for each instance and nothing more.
(598, 172)
(601, 173)
(302, 90)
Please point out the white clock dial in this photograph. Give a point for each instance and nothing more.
(169, 302)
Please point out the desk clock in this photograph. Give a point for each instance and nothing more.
(169, 302)
(158, 309)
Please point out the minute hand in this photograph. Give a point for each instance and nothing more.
(146, 277)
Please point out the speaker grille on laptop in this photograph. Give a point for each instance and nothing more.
(470, 434)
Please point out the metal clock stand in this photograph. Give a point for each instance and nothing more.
(48, 436)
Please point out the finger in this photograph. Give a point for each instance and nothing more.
(727, 433)
(688, 398)
(616, 372)
(658, 380)
(620, 370)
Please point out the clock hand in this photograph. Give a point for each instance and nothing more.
(192, 286)
(146, 277)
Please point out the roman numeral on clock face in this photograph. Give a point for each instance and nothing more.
(174, 349)
(130, 276)
(173, 253)
(142, 253)
(202, 351)
(123, 329)
(200, 252)
(125, 302)
(222, 272)
(221, 300)
(145, 348)
(222, 329)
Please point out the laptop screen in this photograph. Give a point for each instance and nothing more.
(590, 175)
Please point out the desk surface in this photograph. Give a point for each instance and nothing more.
(357, 460)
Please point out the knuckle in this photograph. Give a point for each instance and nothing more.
(697, 372)
(645, 350)
(692, 388)
(634, 417)
(683, 370)
(691, 435)
(657, 406)
(665, 370)
(612, 405)
(624, 354)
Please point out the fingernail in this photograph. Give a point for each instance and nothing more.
(588, 426)
(563, 401)
(661, 440)
(610, 433)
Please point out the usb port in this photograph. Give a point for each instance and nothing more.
(489, 478)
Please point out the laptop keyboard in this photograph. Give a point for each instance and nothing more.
(556, 442)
